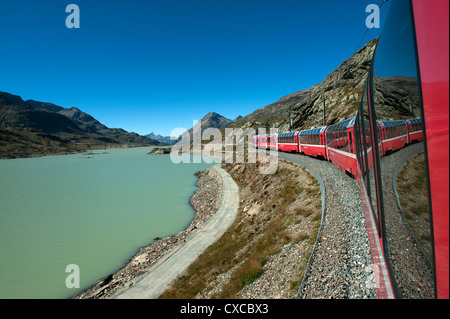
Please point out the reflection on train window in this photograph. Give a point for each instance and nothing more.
(403, 163)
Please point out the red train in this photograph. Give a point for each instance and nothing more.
(266, 141)
(341, 146)
(410, 252)
(288, 142)
(337, 143)
(415, 133)
(312, 142)
(394, 135)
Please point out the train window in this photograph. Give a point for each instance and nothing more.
(407, 230)
(350, 142)
(367, 156)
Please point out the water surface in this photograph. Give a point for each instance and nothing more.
(93, 210)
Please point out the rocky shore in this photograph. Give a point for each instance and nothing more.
(205, 201)
(265, 252)
(160, 151)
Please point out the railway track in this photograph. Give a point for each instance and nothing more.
(340, 266)
(341, 263)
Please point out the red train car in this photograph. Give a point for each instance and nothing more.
(262, 141)
(340, 146)
(255, 141)
(271, 141)
(409, 244)
(415, 130)
(312, 142)
(288, 142)
(408, 219)
(394, 135)
(267, 141)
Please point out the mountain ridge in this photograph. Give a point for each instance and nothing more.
(33, 128)
(342, 90)
(162, 139)
(210, 120)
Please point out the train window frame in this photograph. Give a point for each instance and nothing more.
(386, 242)
(375, 153)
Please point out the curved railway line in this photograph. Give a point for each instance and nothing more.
(341, 263)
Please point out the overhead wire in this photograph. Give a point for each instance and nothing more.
(367, 29)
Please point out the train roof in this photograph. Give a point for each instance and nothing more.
(344, 123)
(416, 120)
(314, 131)
(263, 135)
(390, 123)
(287, 134)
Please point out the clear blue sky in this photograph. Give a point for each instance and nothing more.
(153, 66)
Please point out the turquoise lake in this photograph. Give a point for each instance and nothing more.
(94, 210)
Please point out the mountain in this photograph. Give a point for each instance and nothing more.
(17, 114)
(342, 90)
(210, 120)
(83, 120)
(32, 128)
(162, 139)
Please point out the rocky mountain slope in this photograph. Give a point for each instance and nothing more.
(32, 128)
(210, 120)
(342, 90)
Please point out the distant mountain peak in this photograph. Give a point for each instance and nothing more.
(162, 139)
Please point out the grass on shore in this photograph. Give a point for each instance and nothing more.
(244, 249)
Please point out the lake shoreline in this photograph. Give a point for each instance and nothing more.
(75, 151)
(205, 201)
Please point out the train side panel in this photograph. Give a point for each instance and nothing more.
(312, 142)
(432, 32)
(288, 142)
(345, 161)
